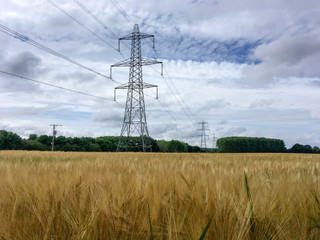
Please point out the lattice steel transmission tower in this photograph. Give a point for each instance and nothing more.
(135, 121)
(202, 129)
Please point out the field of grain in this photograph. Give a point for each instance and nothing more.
(46, 195)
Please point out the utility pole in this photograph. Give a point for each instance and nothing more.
(54, 133)
(134, 120)
(202, 129)
(214, 141)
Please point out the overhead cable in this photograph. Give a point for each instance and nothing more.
(98, 21)
(122, 11)
(55, 86)
(26, 39)
(70, 16)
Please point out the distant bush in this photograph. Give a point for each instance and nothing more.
(250, 144)
(299, 148)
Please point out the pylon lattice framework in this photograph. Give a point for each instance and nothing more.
(135, 121)
(202, 129)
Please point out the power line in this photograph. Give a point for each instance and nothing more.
(177, 99)
(70, 16)
(95, 18)
(104, 26)
(166, 108)
(156, 55)
(178, 93)
(113, 34)
(100, 22)
(26, 39)
(122, 11)
(55, 86)
(188, 114)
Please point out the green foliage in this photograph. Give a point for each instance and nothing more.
(250, 201)
(33, 145)
(205, 230)
(177, 146)
(10, 141)
(45, 140)
(33, 137)
(250, 144)
(298, 148)
(316, 149)
(108, 144)
(163, 145)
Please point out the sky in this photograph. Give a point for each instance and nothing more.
(246, 68)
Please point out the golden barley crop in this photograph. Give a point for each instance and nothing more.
(46, 195)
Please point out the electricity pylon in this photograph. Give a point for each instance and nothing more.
(135, 121)
(202, 129)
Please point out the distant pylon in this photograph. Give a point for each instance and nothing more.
(135, 121)
(202, 129)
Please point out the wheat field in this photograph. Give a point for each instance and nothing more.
(58, 195)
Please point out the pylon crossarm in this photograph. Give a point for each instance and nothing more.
(124, 63)
(146, 61)
(122, 86)
(127, 37)
(144, 35)
(148, 85)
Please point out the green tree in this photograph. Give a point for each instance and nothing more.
(46, 141)
(94, 147)
(177, 146)
(33, 137)
(316, 149)
(163, 145)
(296, 148)
(250, 144)
(10, 141)
(33, 145)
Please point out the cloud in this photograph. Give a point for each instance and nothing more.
(249, 67)
(110, 118)
(24, 64)
(212, 105)
(262, 103)
(291, 56)
(22, 112)
(234, 132)
(222, 122)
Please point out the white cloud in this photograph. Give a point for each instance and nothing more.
(291, 56)
(208, 49)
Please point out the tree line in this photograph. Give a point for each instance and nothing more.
(255, 144)
(12, 141)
